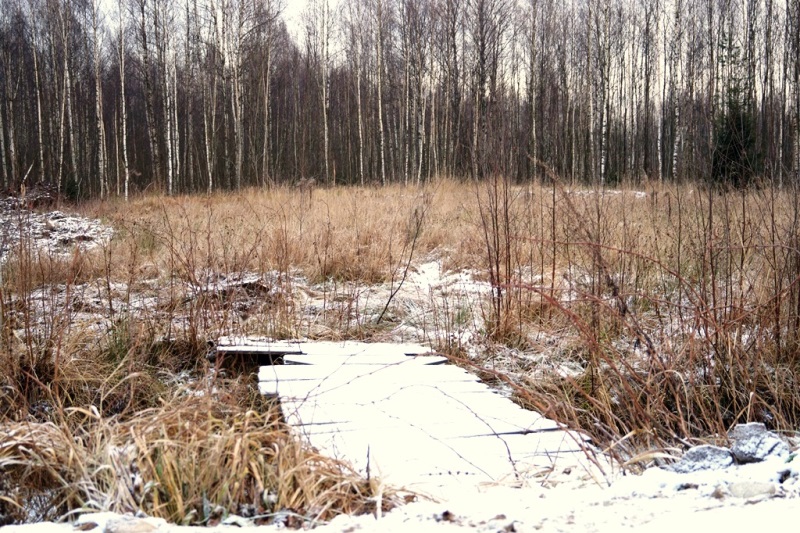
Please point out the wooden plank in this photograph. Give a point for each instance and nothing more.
(521, 454)
(398, 455)
(323, 421)
(346, 391)
(256, 345)
(412, 419)
(351, 348)
(341, 390)
(447, 413)
(321, 350)
(408, 454)
(257, 350)
(360, 359)
(409, 371)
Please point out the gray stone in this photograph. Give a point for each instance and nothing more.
(703, 457)
(752, 443)
(745, 431)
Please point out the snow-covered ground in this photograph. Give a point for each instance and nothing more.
(53, 233)
(740, 498)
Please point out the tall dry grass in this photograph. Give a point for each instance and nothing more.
(675, 307)
(108, 399)
(194, 459)
(678, 304)
(681, 303)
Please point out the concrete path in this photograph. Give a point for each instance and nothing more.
(407, 417)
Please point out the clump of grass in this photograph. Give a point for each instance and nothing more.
(198, 457)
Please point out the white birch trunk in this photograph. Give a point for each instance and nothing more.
(325, 95)
(123, 101)
(532, 90)
(266, 148)
(676, 142)
(675, 74)
(170, 129)
(12, 140)
(62, 134)
(659, 144)
(379, 53)
(421, 136)
(175, 128)
(592, 95)
(70, 121)
(433, 138)
(101, 132)
(3, 163)
(209, 129)
(39, 121)
(782, 122)
(360, 112)
(235, 113)
(796, 120)
(407, 107)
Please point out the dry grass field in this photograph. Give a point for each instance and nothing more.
(648, 318)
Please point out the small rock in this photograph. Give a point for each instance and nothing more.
(752, 490)
(236, 520)
(703, 457)
(752, 443)
(746, 431)
(130, 525)
(107, 522)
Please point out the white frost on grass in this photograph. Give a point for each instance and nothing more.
(54, 233)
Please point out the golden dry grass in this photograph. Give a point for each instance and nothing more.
(195, 459)
(679, 305)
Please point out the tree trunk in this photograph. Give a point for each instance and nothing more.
(325, 95)
(676, 55)
(101, 131)
(266, 152)
(39, 121)
(532, 90)
(71, 123)
(149, 96)
(209, 128)
(379, 54)
(359, 105)
(3, 163)
(123, 101)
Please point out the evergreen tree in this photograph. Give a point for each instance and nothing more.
(735, 161)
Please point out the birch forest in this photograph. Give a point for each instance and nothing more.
(117, 97)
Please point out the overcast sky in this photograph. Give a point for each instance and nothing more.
(293, 10)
